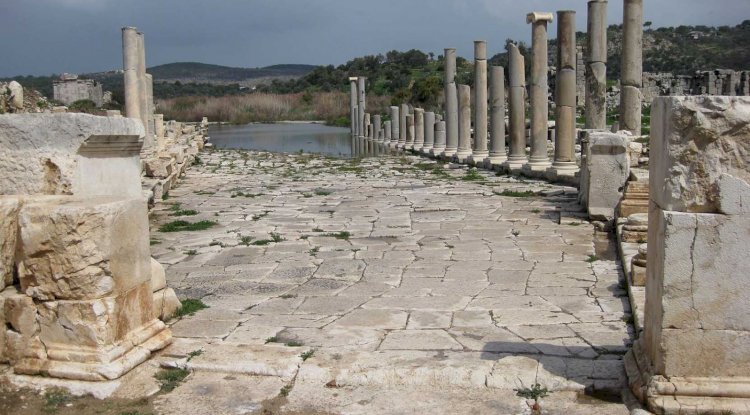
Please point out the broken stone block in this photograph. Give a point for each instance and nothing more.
(638, 266)
(608, 169)
(695, 141)
(16, 95)
(158, 276)
(160, 167)
(166, 304)
(9, 207)
(82, 248)
(636, 228)
(635, 198)
(20, 328)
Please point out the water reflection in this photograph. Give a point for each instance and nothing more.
(363, 147)
(284, 138)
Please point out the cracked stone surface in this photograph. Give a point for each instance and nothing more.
(389, 272)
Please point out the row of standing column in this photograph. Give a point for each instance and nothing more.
(138, 85)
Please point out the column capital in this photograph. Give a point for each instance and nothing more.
(535, 17)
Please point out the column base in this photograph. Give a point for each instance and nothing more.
(462, 156)
(448, 153)
(563, 172)
(536, 169)
(477, 158)
(435, 151)
(679, 395)
(514, 165)
(493, 162)
(425, 150)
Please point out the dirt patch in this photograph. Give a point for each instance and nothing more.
(30, 402)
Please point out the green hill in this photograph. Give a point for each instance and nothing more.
(203, 72)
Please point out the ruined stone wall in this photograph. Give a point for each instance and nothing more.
(70, 91)
(717, 82)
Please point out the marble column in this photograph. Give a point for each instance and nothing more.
(395, 126)
(387, 129)
(439, 139)
(143, 104)
(353, 103)
(376, 129)
(538, 160)
(631, 67)
(451, 103)
(150, 102)
(132, 83)
(429, 132)
(368, 134)
(480, 152)
(403, 128)
(464, 124)
(497, 153)
(517, 111)
(596, 66)
(418, 129)
(361, 100)
(410, 131)
(565, 96)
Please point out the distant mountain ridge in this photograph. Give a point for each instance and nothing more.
(209, 73)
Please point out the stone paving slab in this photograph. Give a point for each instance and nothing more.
(388, 274)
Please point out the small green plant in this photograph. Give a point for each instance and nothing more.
(55, 398)
(307, 195)
(189, 307)
(165, 196)
(472, 175)
(194, 353)
(171, 378)
(574, 224)
(515, 232)
(536, 392)
(245, 240)
(154, 242)
(294, 343)
(285, 390)
(535, 211)
(276, 237)
(272, 339)
(515, 193)
(286, 296)
(197, 161)
(592, 258)
(317, 230)
(177, 210)
(191, 252)
(322, 192)
(181, 225)
(314, 251)
(345, 235)
(308, 354)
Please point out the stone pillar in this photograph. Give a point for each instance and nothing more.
(403, 128)
(632, 67)
(538, 160)
(480, 152)
(694, 354)
(451, 103)
(376, 128)
(130, 58)
(151, 107)
(517, 111)
(607, 169)
(353, 103)
(143, 104)
(497, 153)
(410, 132)
(367, 126)
(429, 132)
(464, 124)
(418, 128)
(439, 139)
(361, 101)
(387, 129)
(395, 126)
(565, 97)
(596, 66)
(159, 130)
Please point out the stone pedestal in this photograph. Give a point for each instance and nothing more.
(464, 124)
(634, 199)
(517, 111)
(606, 171)
(638, 267)
(694, 355)
(497, 154)
(479, 151)
(636, 228)
(596, 66)
(539, 90)
(631, 79)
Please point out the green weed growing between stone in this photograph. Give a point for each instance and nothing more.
(171, 378)
(189, 307)
(181, 225)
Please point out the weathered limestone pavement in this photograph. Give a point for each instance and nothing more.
(410, 285)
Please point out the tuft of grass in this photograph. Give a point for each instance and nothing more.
(165, 196)
(515, 193)
(245, 240)
(345, 235)
(535, 392)
(181, 225)
(535, 211)
(472, 176)
(294, 343)
(515, 232)
(55, 398)
(592, 258)
(176, 210)
(317, 230)
(189, 307)
(194, 353)
(191, 252)
(322, 192)
(171, 378)
(197, 161)
(314, 251)
(272, 339)
(308, 354)
(154, 242)
(285, 390)
(285, 296)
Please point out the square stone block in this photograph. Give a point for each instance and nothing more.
(608, 170)
(80, 249)
(695, 141)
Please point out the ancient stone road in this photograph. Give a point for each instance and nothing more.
(405, 286)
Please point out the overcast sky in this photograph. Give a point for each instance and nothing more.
(42, 37)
